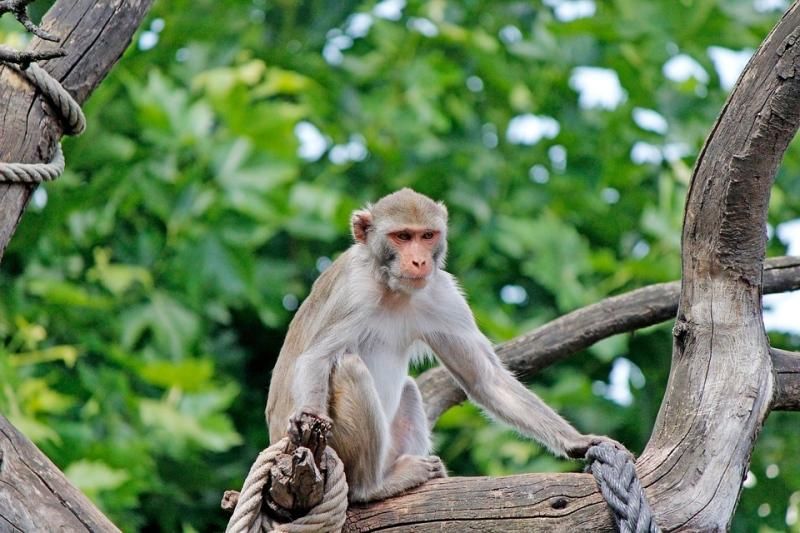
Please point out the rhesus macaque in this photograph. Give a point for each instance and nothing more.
(384, 301)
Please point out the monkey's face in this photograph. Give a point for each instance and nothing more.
(410, 256)
(406, 235)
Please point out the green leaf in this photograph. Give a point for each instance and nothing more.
(93, 477)
(178, 429)
(189, 374)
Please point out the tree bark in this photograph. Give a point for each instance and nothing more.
(559, 339)
(787, 380)
(34, 494)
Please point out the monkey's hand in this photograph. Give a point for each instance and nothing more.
(577, 449)
(307, 425)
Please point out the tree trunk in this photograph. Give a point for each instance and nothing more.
(34, 494)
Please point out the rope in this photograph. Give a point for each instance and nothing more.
(327, 516)
(614, 471)
(72, 120)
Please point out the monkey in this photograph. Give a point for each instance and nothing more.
(384, 301)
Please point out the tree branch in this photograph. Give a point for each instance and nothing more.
(35, 495)
(557, 340)
(23, 58)
(721, 380)
(529, 502)
(787, 380)
(20, 10)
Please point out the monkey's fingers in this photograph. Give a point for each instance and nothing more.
(600, 439)
(308, 425)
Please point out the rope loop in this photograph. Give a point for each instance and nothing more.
(327, 516)
(614, 471)
(70, 115)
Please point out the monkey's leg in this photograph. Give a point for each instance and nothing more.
(410, 433)
(361, 438)
(360, 431)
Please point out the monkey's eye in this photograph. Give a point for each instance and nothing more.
(404, 236)
(428, 235)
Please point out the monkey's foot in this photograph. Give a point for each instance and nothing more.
(420, 468)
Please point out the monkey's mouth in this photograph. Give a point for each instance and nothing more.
(415, 281)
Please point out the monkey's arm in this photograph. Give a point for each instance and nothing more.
(473, 363)
(312, 374)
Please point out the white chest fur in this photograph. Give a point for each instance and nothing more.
(386, 349)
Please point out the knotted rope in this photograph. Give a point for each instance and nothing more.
(72, 120)
(328, 516)
(615, 474)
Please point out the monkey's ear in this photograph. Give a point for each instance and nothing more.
(361, 222)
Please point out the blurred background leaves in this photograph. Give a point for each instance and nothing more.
(145, 295)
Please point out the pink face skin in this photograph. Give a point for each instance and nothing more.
(415, 246)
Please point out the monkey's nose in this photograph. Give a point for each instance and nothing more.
(419, 264)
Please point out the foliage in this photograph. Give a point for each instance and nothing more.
(145, 296)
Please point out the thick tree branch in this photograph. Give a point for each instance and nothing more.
(35, 495)
(528, 354)
(530, 502)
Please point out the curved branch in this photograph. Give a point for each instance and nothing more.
(555, 341)
(721, 381)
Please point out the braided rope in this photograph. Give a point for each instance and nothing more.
(67, 109)
(327, 516)
(73, 122)
(614, 471)
(33, 172)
